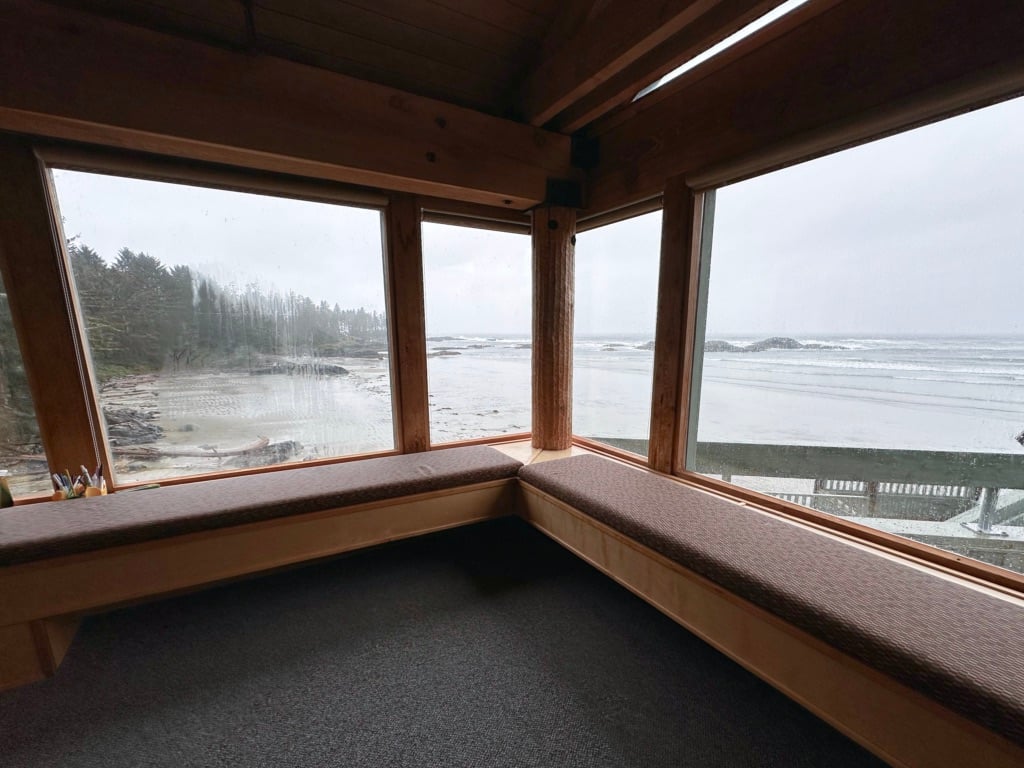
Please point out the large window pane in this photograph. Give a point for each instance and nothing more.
(477, 296)
(228, 329)
(21, 451)
(864, 351)
(613, 361)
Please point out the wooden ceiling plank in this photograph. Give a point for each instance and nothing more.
(396, 32)
(383, 77)
(878, 67)
(445, 21)
(502, 15)
(398, 68)
(219, 21)
(224, 12)
(614, 36)
(711, 28)
(152, 92)
(611, 39)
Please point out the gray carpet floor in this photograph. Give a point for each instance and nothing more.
(478, 647)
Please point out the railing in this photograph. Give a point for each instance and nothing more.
(971, 503)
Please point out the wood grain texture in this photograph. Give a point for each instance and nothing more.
(694, 327)
(898, 724)
(20, 659)
(156, 93)
(456, 212)
(554, 245)
(119, 162)
(620, 47)
(834, 78)
(408, 343)
(34, 276)
(104, 578)
(284, 30)
(674, 294)
(711, 27)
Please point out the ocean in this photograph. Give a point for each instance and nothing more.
(919, 393)
(942, 394)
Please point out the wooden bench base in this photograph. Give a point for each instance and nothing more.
(896, 723)
(40, 600)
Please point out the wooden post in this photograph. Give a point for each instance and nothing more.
(408, 344)
(554, 245)
(694, 328)
(33, 268)
(677, 296)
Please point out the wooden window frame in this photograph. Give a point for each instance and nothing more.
(54, 398)
(682, 296)
(454, 213)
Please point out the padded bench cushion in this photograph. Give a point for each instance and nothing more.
(51, 529)
(957, 645)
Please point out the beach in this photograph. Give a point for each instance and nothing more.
(943, 394)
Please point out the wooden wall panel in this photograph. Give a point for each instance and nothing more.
(858, 70)
(554, 245)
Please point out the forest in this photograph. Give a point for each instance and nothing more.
(143, 316)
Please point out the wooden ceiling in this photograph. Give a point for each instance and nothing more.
(553, 63)
(473, 101)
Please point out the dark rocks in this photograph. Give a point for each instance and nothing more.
(775, 342)
(131, 426)
(291, 368)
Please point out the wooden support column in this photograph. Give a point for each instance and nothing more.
(677, 295)
(33, 275)
(554, 245)
(408, 344)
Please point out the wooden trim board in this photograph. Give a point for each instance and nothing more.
(45, 590)
(898, 724)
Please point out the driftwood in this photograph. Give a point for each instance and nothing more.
(146, 452)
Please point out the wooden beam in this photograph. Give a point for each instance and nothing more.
(441, 211)
(858, 70)
(698, 281)
(554, 246)
(611, 38)
(77, 76)
(408, 343)
(720, 21)
(677, 296)
(33, 269)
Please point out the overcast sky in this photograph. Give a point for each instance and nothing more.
(919, 233)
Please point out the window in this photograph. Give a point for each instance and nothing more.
(21, 452)
(864, 343)
(477, 288)
(227, 329)
(613, 359)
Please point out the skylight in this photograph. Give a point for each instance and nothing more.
(760, 23)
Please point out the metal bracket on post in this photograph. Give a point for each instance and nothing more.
(987, 510)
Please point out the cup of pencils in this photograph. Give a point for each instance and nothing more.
(84, 485)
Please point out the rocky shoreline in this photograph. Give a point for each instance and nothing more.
(775, 342)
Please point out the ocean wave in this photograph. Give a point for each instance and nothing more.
(861, 364)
